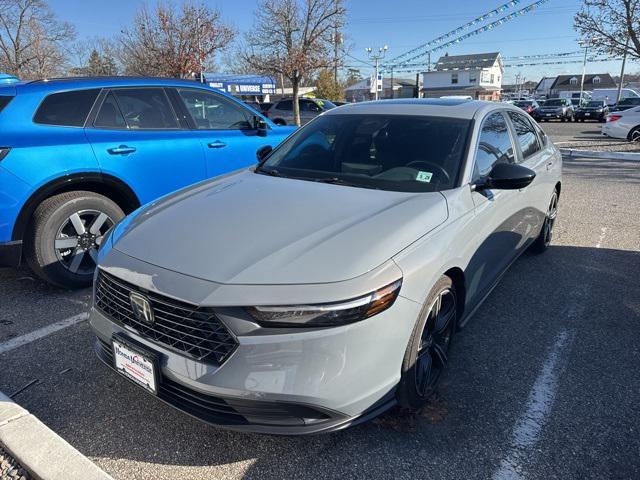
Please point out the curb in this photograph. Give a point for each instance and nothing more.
(568, 152)
(40, 450)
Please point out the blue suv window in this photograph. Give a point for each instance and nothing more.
(110, 115)
(69, 109)
(214, 112)
(142, 109)
(4, 101)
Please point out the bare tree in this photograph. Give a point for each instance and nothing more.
(294, 38)
(32, 41)
(610, 24)
(173, 42)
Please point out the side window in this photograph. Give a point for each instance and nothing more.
(309, 106)
(146, 108)
(285, 105)
(110, 115)
(68, 109)
(214, 112)
(525, 134)
(494, 146)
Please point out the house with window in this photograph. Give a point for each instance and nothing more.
(477, 75)
(571, 83)
(361, 91)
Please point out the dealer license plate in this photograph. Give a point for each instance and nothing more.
(587, 114)
(549, 114)
(135, 364)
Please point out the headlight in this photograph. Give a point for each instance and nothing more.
(328, 314)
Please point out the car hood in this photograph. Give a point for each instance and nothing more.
(255, 229)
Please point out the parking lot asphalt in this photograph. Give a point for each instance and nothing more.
(544, 382)
(585, 136)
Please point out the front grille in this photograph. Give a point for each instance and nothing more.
(227, 411)
(191, 330)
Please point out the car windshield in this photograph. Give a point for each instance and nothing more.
(325, 104)
(403, 153)
(554, 103)
(630, 101)
(523, 103)
(595, 104)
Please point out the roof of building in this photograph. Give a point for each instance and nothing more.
(545, 83)
(462, 88)
(562, 81)
(466, 62)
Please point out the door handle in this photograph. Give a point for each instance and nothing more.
(121, 150)
(549, 165)
(217, 144)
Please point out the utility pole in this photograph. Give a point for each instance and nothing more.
(428, 61)
(200, 59)
(624, 61)
(392, 91)
(336, 41)
(382, 51)
(586, 44)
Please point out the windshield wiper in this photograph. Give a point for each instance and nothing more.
(340, 181)
(272, 171)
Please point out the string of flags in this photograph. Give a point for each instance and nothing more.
(518, 13)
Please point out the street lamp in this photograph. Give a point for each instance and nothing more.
(382, 51)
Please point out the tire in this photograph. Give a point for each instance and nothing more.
(542, 242)
(416, 386)
(634, 134)
(58, 247)
(279, 121)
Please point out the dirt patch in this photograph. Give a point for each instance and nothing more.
(403, 420)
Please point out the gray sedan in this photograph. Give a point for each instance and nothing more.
(324, 286)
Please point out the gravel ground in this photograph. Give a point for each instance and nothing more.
(585, 136)
(10, 469)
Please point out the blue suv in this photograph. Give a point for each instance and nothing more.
(76, 155)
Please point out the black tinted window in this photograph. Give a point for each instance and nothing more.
(494, 146)
(309, 106)
(4, 101)
(285, 105)
(214, 112)
(146, 108)
(525, 134)
(110, 115)
(66, 108)
(390, 152)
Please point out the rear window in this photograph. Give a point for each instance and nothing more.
(4, 101)
(68, 109)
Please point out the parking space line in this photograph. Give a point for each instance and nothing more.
(42, 332)
(528, 427)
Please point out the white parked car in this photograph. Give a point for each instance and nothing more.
(623, 125)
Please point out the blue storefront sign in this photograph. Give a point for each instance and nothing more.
(241, 84)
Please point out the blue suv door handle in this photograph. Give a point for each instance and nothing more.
(217, 144)
(121, 150)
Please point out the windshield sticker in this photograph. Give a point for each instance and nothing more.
(424, 176)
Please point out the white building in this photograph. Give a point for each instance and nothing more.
(478, 75)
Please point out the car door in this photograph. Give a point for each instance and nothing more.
(499, 233)
(533, 154)
(137, 137)
(225, 129)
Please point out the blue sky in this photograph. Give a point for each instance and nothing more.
(402, 25)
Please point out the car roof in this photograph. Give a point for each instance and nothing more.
(73, 83)
(438, 107)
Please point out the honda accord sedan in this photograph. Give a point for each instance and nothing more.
(324, 286)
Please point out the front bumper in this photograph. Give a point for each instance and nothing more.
(590, 116)
(10, 254)
(281, 382)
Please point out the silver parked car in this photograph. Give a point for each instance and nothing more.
(281, 113)
(323, 286)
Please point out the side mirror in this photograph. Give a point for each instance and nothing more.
(507, 176)
(262, 152)
(260, 125)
